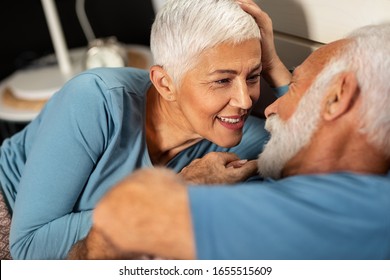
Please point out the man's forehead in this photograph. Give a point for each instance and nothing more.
(320, 57)
(327, 52)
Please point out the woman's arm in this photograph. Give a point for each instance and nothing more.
(274, 71)
(65, 149)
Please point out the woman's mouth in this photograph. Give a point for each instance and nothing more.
(232, 122)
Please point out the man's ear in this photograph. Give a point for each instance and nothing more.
(342, 95)
(162, 82)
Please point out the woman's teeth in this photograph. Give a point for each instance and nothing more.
(230, 120)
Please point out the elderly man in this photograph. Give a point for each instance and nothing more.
(327, 189)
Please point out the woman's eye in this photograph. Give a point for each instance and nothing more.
(254, 78)
(223, 81)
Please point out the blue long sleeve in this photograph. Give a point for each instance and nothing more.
(67, 146)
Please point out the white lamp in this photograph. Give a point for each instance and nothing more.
(157, 5)
(42, 82)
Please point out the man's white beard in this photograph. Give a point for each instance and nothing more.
(289, 137)
(286, 141)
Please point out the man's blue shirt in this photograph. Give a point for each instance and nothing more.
(325, 216)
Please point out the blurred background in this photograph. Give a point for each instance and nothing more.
(300, 26)
(26, 38)
(25, 34)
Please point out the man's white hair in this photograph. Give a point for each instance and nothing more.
(184, 28)
(368, 56)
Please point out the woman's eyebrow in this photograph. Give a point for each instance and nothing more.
(231, 71)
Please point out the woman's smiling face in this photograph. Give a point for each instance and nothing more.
(217, 95)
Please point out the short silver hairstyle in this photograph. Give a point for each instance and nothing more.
(367, 54)
(183, 29)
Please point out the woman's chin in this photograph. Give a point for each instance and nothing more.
(228, 143)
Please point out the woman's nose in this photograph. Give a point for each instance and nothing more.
(241, 98)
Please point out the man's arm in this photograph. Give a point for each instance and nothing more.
(96, 246)
(147, 213)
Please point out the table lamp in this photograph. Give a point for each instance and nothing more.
(42, 82)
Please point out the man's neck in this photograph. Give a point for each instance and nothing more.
(352, 153)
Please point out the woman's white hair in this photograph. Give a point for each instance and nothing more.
(185, 28)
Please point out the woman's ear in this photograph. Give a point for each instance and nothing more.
(341, 97)
(162, 82)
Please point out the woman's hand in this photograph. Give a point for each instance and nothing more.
(274, 71)
(218, 168)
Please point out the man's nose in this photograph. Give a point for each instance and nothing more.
(271, 109)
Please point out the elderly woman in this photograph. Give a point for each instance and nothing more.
(106, 123)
